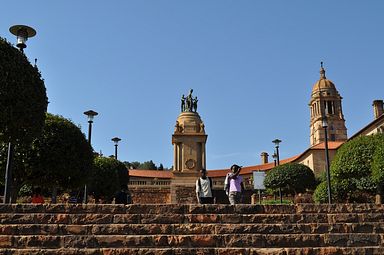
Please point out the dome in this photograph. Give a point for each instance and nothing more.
(189, 123)
(323, 83)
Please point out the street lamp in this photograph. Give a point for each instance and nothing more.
(116, 140)
(325, 126)
(274, 156)
(277, 142)
(22, 32)
(90, 114)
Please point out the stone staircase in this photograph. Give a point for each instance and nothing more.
(172, 229)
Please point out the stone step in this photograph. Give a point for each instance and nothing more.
(192, 241)
(129, 218)
(185, 229)
(199, 251)
(192, 208)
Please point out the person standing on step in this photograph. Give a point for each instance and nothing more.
(123, 196)
(37, 198)
(233, 185)
(204, 186)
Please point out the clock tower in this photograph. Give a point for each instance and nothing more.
(325, 104)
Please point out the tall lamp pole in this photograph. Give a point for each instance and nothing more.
(22, 33)
(277, 142)
(274, 156)
(90, 114)
(116, 140)
(325, 126)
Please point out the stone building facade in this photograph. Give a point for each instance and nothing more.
(189, 139)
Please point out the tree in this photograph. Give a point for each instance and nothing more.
(378, 164)
(293, 178)
(23, 100)
(60, 158)
(355, 171)
(108, 175)
(148, 165)
(23, 103)
(132, 165)
(65, 157)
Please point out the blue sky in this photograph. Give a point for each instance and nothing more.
(252, 64)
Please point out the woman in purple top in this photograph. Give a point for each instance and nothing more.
(233, 185)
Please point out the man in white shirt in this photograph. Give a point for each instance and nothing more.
(204, 192)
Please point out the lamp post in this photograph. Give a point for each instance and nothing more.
(325, 126)
(277, 142)
(274, 156)
(90, 114)
(23, 33)
(116, 140)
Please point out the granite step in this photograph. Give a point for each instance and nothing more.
(192, 241)
(200, 251)
(192, 208)
(192, 229)
(234, 218)
(185, 229)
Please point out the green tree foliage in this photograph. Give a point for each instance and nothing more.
(23, 162)
(107, 176)
(321, 192)
(148, 165)
(60, 158)
(293, 178)
(23, 103)
(65, 157)
(378, 164)
(355, 170)
(23, 98)
(132, 165)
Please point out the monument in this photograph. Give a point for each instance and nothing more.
(189, 155)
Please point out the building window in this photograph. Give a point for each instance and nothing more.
(333, 137)
(329, 107)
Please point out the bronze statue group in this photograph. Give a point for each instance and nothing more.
(189, 103)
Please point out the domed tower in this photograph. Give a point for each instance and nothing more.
(189, 157)
(189, 138)
(325, 104)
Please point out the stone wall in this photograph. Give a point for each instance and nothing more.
(185, 195)
(150, 195)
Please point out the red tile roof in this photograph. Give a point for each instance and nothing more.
(222, 172)
(331, 145)
(150, 173)
(250, 169)
(211, 173)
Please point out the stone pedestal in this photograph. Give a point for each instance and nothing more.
(183, 188)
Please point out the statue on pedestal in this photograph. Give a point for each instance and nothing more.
(189, 104)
